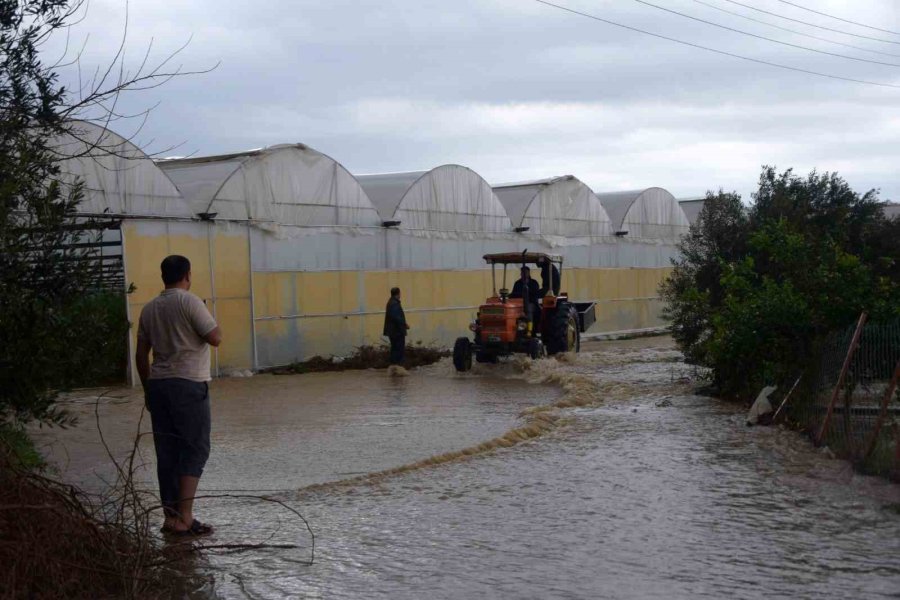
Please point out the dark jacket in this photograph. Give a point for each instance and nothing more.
(394, 319)
(546, 269)
(534, 291)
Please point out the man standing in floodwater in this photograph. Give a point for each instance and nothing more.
(395, 327)
(179, 330)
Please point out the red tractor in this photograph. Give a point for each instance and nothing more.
(521, 323)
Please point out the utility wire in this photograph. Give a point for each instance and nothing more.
(865, 37)
(794, 31)
(838, 18)
(762, 37)
(722, 52)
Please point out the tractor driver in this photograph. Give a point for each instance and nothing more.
(549, 277)
(534, 292)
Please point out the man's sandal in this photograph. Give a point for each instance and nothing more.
(195, 530)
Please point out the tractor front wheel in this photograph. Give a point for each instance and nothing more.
(462, 354)
(536, 349)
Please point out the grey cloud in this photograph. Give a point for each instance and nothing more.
(514, 89)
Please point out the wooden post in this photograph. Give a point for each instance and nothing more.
(840, 382)
(889, 393)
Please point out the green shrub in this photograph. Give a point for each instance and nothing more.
(757, 287)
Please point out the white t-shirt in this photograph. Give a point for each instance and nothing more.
(174, 324)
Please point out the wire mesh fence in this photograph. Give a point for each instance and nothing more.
(851, 399)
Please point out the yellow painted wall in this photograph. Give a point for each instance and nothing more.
(147, 243)
(303, 314)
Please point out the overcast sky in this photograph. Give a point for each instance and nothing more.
(518, 90)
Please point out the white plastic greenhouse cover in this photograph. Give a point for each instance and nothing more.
(651, 213)
(449, 198)
(691, 208)
(118, 177)
(288, 184)
(559, 206)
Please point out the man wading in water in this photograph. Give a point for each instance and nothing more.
(179, 330)
(395, 327)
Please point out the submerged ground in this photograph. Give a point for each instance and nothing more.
(641, 489)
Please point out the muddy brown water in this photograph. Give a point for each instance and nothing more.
(652, 492)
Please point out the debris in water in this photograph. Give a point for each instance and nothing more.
(664, 403)
(397, 371)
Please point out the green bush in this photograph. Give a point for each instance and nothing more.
(757, 287)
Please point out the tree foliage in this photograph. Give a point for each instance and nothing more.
(56, 329)
(756, 287)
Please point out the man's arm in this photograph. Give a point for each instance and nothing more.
(142, 360)
(214, 337)
(204, 324)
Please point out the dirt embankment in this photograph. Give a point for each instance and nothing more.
(364, 357)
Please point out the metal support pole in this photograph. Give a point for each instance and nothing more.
(854, 343)
(212, 282)
(889, 393)
(783, 402)
(252, 299)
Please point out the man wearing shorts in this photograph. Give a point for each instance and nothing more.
(178, 329)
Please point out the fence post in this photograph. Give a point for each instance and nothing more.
(883, 413)
(840, 382)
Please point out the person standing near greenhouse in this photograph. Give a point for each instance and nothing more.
(395, 327)
(177, 327)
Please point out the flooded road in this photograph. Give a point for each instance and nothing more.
(639, 490)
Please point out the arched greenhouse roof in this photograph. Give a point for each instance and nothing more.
(651, 213)
(288, 184)
(448, 198)
(559, 206)
(692, 208)
(118, 178)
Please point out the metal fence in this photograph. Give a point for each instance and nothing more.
(850, 400)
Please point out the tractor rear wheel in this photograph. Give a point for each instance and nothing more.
(462, 354)
(563, 334)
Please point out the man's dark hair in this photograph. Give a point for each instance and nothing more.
(525, 269)
(174, 268)
(394, 292)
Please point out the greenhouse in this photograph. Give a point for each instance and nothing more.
(446, 198)
(295, 257)
(118, 178)
(692, 208)
(559, 206)
(651, 213)
(284, 185)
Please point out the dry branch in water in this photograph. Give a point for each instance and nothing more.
(60, 542)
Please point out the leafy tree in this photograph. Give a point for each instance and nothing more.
(56, 331)
(756, 289)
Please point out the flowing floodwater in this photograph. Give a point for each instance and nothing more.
(633, 488)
